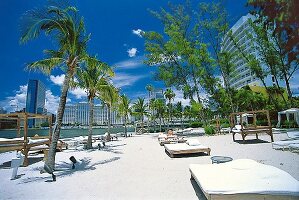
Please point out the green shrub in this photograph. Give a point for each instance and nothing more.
(225, 125)
(261, 122)
(196, 124)
(224, 121)
(274, 122)
(209, 130)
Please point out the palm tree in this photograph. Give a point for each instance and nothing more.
(179, 112)
(109, 96)
(152, 108)
(169, 94)
(140, 110)
(67, 29)
(150, 89)
(91, 77)
(124, 110)
(160, 109)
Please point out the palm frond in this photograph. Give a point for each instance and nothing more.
(45, 65)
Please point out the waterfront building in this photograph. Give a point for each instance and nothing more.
(242, 74)
(35, 100)
(79, 114)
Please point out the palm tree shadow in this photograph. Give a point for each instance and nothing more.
(113, 148)
(65, 168)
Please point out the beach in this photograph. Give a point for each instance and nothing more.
(134, 168)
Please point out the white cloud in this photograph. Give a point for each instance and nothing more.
(132, 52)
(52, 102)
(132, 63)
(78, 92)
(138, 32)
(180, 97)
(124, 79)
(16, 102)
(57, 80)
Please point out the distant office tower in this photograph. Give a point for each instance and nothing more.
(242, 75)
(79, 114)
(35, 100)
(157, 94)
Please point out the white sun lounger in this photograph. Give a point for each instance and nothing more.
(244, 179)
(294, 147)
(283, 144)
(183, 148)
(293, 134)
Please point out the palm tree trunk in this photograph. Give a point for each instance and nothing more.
(89, 140)
(55, 136)
(109, 122)
(126, 126)
(154, 124)
(160, 123)
(142, 125)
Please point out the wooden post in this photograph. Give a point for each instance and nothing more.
(270, 126)
(254, 120)
(18, 127)
(25, 150)
(242, 128)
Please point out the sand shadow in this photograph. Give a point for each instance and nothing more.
(200, 195)
(252, 141)
(6, 165)
(112, 148)
(186, 155)
(63, 169)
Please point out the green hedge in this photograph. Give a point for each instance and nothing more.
(225, 125)
(209, 130)
(196, 124)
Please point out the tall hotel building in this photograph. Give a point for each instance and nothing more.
(242, 75)
(35, 100)
(79, 113)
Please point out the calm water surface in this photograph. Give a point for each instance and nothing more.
(64, 133)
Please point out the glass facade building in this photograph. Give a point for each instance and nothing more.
(35, 100)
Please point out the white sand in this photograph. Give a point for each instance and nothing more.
(133, 168)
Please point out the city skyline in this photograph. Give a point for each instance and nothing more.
(117, 42)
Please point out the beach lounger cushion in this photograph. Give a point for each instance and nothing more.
(283, 144)
(183, 148)
(193, 142)
(242, 177)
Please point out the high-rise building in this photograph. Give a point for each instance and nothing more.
(79, 114)
(157, 94)
(242, 74)
(35, 100)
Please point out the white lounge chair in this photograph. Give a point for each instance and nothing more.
(283, 144)
(293, 134)
(294, 147)
(190, 147)
(244, 179)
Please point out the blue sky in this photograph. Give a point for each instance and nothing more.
(114, 27)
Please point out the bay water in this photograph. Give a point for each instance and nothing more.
(64, 133)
